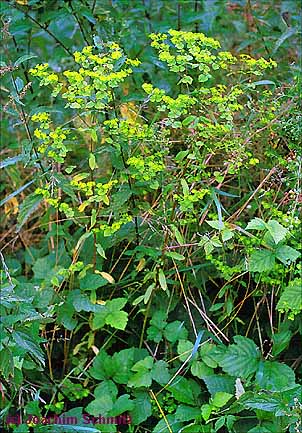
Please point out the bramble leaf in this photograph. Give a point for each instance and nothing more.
(242, 358)
(262, 261)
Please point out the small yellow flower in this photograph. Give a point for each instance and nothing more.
(116, 55)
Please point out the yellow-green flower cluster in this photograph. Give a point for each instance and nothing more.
(175, 107)
(43, 118)
(183, 40)
(86, 57)
(255, 66)
(187, 200)
(127, 129)
(178, 106)
(86, 188)
(145, 168)
(213, 130)
(67, 210)
(51, 143)
(46, 77)
(133, 62)
(226, 103)
(90, 86)
(156, 95)
(186, 51)
(189, 51)
(96, 192)
(225, 59)
(110, 230)
(55, 202)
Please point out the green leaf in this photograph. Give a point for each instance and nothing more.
(159, 319)
(123, 362)
(110, 314)
(100, 251)
(184, 349)
(241, 359)
(186, 413)
(154, 334)
(92, 282)
(230, 420)
(101, 405)
(175, 331)
(162, 279)
(186, 80)
(45, 268)
(256, 224)
(19, 84)
(142, 407)
(13, 194)
(139, 299)
(264, 83)
(277, 231)
(26, 209)
(274, 376)
(148, 293)
(92, 161)
(226, 235)
(202, 78)
(107, 387)
(206, 410)
(208, 247)
(160, 372)
(93, 134)
(142, 378)
(280, 341)
(185, 187)
(81, 302)
(183, 153)
(24, 59)
(262, 261)
(216, 224)
(286, 254)
(117, 319)
(143, 364)
(116, 304)
(28, 343)
(70, 169)
(175, 256)
(217, 306)
(185, 390)
(260, 428)
(81, 241)
(291, 298)
(161, 426)
(208, 353)
(99, 319)
(220, 423)
(6, 362)
(262, 401)
(201, 370)
(220, 399)
(103, 367)
(290, 31)
(65, 314)
(11, 161)
(122, 404)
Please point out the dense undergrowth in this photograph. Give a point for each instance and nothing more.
(151, 158)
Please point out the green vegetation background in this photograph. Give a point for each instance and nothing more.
(150, 215)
